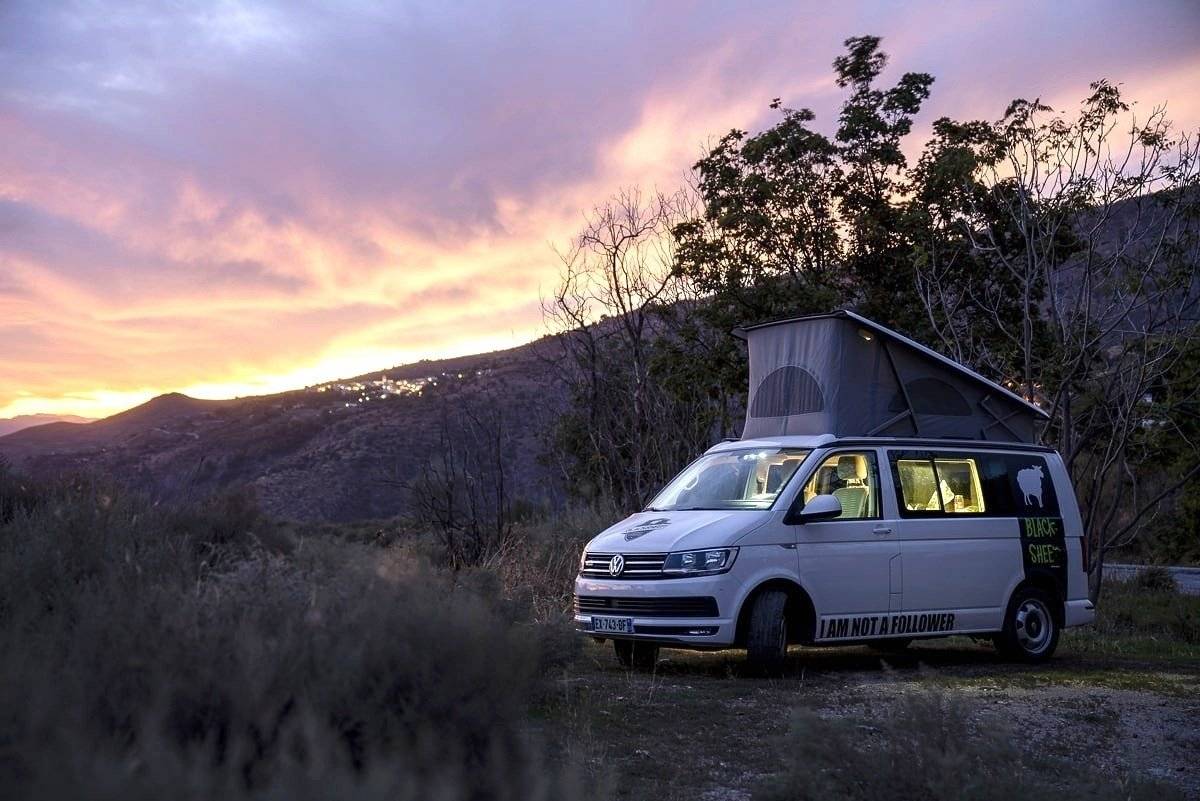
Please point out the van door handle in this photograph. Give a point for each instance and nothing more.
(882, 531)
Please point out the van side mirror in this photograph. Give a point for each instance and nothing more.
(821, 507)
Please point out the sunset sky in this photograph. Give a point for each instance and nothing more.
(235, 198)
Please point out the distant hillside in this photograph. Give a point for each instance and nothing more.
(9, 425)
(337, 451)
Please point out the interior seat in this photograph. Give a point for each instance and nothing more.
(774, 479)
(853, 496)
(778, 474)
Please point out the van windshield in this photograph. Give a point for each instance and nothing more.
(738, 479)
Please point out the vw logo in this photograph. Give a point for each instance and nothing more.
(616, 565)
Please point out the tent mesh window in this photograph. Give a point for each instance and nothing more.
(932, 396)
(786, 391)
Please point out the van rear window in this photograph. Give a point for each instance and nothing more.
(949, 485)
(990, 484)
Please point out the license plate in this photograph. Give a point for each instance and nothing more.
(613, 625)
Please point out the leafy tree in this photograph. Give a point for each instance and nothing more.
(969, 305)
(795, 222)
(870, 178)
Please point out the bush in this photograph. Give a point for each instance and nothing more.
(155, 651)
(542, 558)
(1144, 608)
(928, 748)
(1155, 579)
(17, 494)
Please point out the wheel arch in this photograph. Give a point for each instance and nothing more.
(801, 613)
(1046, 583)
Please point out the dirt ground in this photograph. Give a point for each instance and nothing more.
(698, 728)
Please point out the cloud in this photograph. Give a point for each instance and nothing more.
(229, 197)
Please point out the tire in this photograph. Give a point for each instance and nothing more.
(1031, 628)
(891, 645)
(641, 656)
(766, 633)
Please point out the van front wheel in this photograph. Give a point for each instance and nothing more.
(1030, 627)
(766, 635)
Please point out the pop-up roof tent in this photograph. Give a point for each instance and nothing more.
(843, 374)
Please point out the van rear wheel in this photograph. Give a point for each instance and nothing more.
(1031, 628)
(766, 634)
(641, 656)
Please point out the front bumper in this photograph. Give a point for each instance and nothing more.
(711, 631)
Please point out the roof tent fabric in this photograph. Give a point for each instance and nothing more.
(843, 374)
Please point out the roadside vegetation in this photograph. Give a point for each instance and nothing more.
(1144, 617)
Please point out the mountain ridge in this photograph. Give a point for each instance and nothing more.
(20, 422)
(341, 450)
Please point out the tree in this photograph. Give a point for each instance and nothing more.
(1064, 257)
(631, 424)
(870, 177)
(1175, 538)
(794, 222)
(462, 494)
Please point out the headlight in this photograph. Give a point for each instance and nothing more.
(700, 563)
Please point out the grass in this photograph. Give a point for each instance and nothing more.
(1142, 618)
(1161, 680)
(150, 651)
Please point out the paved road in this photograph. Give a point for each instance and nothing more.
(1186, 578)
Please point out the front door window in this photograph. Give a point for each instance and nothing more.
(852, 478)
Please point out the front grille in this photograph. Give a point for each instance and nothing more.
(699, 606)
(637, 565)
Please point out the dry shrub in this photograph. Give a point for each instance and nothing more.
(155, 651)
(17, 493)
(542, 559)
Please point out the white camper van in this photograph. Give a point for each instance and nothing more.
(880, 493)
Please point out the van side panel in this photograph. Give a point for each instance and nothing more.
(1020, 523)
(965, 564)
